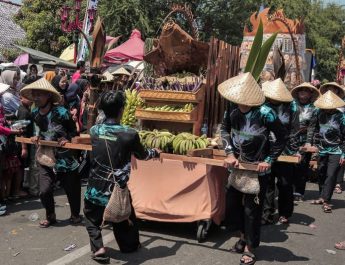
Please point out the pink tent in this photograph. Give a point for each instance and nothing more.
(132, 49)
(22, 59)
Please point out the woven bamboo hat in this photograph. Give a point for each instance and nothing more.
(108, 77)
(121, 71)
(329, 100)
(43, 85)
(314, 90)
(277, 90)
(242, 89)
(324, 88)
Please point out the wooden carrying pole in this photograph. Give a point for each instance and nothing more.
(85, 147)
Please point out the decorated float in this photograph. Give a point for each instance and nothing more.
(177, 109)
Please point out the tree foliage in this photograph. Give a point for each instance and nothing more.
(223, 19)
(41, 21)
(10, 54)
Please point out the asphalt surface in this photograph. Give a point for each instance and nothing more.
(308, 239)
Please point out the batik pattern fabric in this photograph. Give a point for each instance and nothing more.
(246, 135)
(288, 114)
(306, 113)
(327, 132)
(112, 148)
(56, 124)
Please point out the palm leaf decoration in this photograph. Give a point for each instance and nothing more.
(255, 50)
(259, 52)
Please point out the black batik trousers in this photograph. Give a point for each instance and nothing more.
(70, 181)
(300, 176)
(245, 213)
(126, 233)
(329, 170)
(284, 174)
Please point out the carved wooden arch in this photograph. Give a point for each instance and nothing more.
(186, 11)
(283, 20)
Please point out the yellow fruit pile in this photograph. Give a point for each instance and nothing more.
(184, 142)
(157, 139)
(168, 142)
(186, 108)
(132, 102)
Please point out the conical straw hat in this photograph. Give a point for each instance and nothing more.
(43, 85)
(121, 71)
(108, 77)
(324, 88)
(242, 89)
(329, 100)
(277, 90)
(314, 90)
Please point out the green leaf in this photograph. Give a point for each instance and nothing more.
(262, 57)
(255, 50)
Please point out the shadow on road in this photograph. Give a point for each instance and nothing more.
(300, 218)
(144, 254)
(278, 233)
(279, 254)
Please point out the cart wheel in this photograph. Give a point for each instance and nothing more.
(202, 231)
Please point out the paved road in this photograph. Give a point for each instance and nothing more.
(22, 242)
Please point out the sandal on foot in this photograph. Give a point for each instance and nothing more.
(75, 220)
(50, 220)
(317, 202)
(238, 247)
(326, 208)
(338, 189)
(101, 258)
(283, 220)
(340, 245)
(249, 255)
(46, 223)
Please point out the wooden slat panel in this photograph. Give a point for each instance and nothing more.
(289, 159)
(206, 161)
(311, 149)
(55, 144)
(206, 152)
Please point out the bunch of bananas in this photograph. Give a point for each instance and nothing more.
(186, 108)
(157, 139)
(184, 142)
(132, 102)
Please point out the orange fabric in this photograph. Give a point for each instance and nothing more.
(174, 191)
(49, 75)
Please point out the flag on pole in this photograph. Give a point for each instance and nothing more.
(83, 49)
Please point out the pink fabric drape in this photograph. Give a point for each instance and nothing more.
(175, 191)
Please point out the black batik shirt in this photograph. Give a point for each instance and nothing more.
(287, 113)
(108, 168)
(56, 124)
(306, 112)
(246, 135)
(327, 132)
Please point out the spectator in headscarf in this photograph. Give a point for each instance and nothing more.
(60, 83)
(10, 98)
(32, 76)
